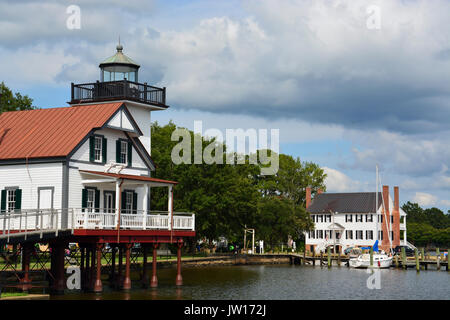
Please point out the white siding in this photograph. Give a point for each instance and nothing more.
(142, 117)
(30, 178)
(112, 136)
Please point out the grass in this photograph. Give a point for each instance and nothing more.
(13, 294)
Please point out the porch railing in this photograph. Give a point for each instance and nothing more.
(39, 221)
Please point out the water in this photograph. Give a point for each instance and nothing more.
(284, 282)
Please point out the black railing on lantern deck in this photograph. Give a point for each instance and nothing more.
(114, 90)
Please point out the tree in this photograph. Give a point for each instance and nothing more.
(16, 102)
(292, 178)
(226, 197)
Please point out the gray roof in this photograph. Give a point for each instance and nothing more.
(358, 202)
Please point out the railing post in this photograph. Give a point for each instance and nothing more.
(85, 218)
(72, 90)
(26, 224)
(57, 220)
(9, 225)
(42, 223)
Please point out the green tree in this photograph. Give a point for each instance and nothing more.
(226, 198)
(13, 102)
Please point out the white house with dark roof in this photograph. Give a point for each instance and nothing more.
(344, 220)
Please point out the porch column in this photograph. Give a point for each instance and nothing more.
(145, 207)
(170, 206)
(154, 281)
(179, 280)
(127, 280)
(98, 281)
(118, 195)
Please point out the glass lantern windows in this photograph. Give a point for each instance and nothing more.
(117, 73)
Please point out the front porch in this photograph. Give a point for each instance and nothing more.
(110, 201)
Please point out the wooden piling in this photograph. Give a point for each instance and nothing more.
(329, 257)
(416, 253)
(339, 259)
(438, 259)
(371, 257)
(321, 258)
(404, 258)
(304, 257)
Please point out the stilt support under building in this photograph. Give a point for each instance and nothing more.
(144, 278)
(57, 267)
(98, 281)
(26, 253)
(179, 280)
(154, 281)
(127, 280)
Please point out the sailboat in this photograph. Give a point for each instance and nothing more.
(380, 258)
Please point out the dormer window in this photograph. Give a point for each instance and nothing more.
(97, 149)
(123, 152)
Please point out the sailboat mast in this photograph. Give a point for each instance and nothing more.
(376, 204)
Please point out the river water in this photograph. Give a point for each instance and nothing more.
(285, 282)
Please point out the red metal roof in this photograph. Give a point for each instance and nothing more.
(128, 176)
(51, 132)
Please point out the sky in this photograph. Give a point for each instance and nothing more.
(349, 83)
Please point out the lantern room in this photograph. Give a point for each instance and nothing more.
(119, 67)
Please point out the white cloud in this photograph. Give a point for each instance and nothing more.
(425, 199)
(337, 181)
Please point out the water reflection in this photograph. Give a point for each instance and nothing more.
(281, 282)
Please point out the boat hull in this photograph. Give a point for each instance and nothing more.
(365, 263)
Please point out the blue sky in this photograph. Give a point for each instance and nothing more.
(343, 94)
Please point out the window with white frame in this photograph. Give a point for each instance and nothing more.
(10, 200)
(90, 203)
(123, 151)
(369, 234)
(369, 218)
(359, 218)
(349, 234)
(129, 202)
(380, 235)
(98, 143)
(348, 218)
(359, 235)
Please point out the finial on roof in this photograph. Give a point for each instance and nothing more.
(119, 46)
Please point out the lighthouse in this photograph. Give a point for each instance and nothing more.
(119, 82)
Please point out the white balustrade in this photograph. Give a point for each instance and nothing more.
(32, 221)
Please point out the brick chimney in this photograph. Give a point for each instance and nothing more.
(386, 219)
(308, 197)
(396, 214)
